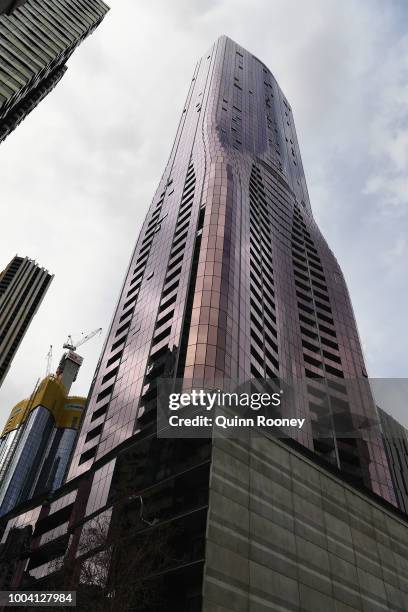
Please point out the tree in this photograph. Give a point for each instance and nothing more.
(121, 562)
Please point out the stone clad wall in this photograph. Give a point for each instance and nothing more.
(284, 534)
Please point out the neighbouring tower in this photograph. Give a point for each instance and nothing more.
(395, 438)
(36, 40)
(38, 438)
(23, 285)
(231, 278)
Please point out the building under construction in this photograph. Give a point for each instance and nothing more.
(38, 438)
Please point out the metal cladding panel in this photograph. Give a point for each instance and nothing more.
(231, 277)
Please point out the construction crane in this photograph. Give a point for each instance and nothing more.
(72, 346)
(49, 361)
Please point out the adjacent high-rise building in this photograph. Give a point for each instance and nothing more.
(23, 285)
(395, 438)
(36, 40)
(38, 438)
(230, 280)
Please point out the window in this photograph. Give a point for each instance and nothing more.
(100, 412)
(93, 433)
(100, 487)
(110, 375)
(105, 393)
(94, 532)
(88, 455)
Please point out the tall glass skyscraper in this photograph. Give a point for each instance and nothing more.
(231, 278)
(36, 40)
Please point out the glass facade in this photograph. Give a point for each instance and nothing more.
(395, 438)
(231, 277)
(16, 485)
(22, 520)
(55, 460)
(100, 488)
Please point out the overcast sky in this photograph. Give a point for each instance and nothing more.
(78, 174)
